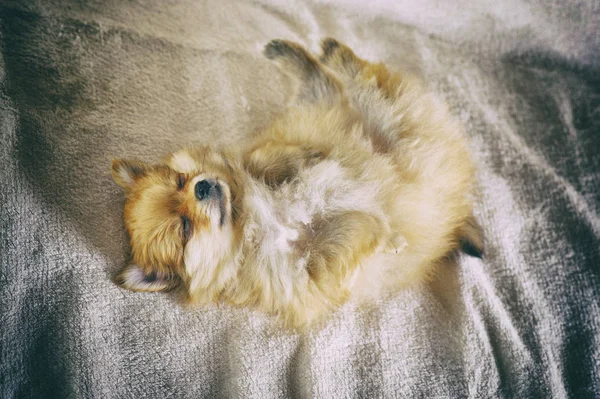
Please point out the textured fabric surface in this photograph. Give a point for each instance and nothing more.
(81, 82)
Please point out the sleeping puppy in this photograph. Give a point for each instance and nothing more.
(363, 185)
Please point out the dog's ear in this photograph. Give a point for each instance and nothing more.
(471, 238)
(134, 278)
(125, 172)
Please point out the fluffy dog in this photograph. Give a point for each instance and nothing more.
(364, 184)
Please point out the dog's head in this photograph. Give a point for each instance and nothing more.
(181, 217)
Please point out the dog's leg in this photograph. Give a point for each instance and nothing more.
(341, 59)
(337, 244)
(316, 84)
(276, 162)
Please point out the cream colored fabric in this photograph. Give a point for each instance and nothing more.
(81, 82)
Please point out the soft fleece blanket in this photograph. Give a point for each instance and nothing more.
(81, 82)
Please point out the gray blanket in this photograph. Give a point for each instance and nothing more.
(81, 82)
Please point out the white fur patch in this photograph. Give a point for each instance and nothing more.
(275, 232)
(203, 254)
(183, 162)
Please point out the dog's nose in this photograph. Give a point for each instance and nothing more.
(203, 188)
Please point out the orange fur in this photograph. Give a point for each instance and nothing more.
(368, 165)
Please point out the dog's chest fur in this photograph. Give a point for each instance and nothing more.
(281, 221)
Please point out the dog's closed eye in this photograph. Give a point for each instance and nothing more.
(181, 180)
(186, 226)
